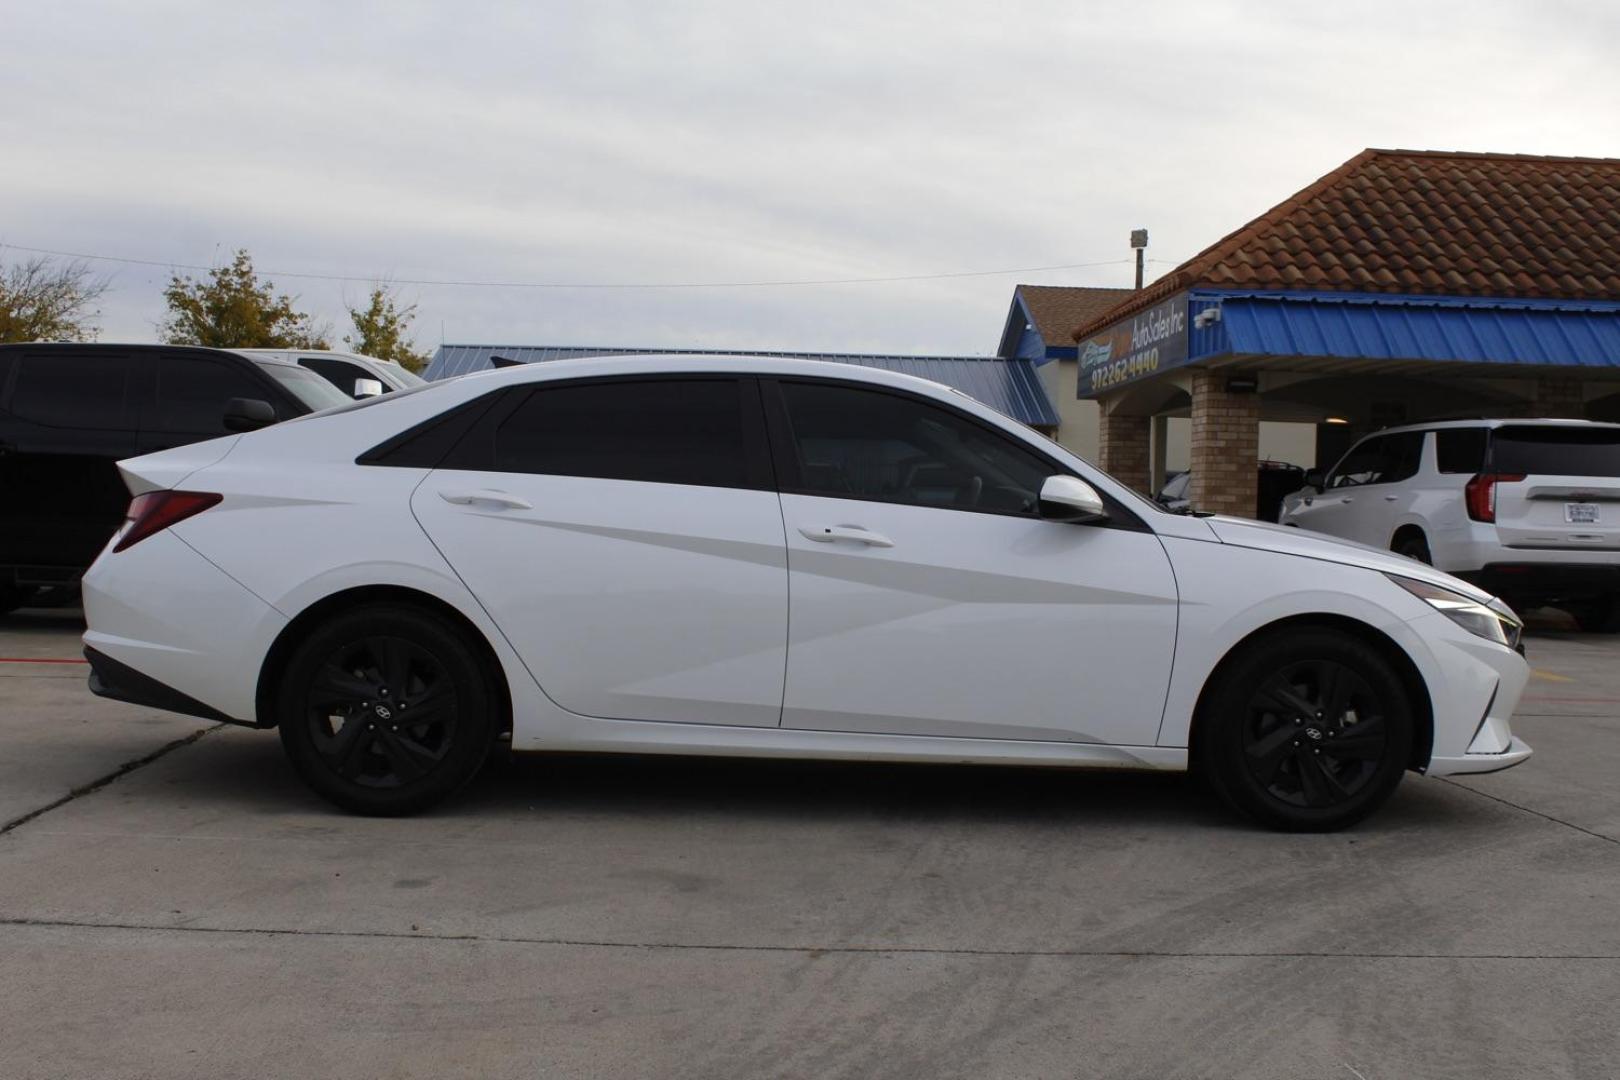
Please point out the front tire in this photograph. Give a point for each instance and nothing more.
(1306, 731)
(386, 710)
(1598, 616)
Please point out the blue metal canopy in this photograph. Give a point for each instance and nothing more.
(1382, 327)
(1010, 386)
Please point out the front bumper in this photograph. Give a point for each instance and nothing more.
(1474, 764)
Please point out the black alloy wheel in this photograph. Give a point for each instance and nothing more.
(386, 710)
(1314, 734)
(1308, 730)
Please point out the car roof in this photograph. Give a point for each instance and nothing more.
(256, 356)
(290, 356)
(1442, 425)
(697, 364)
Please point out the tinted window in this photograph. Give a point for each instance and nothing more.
(1556, 451)
(340, 373)
(664, 431)
(73, 391)
(1460, 450)
(866, 444)
(1382, 460)
(192, 392)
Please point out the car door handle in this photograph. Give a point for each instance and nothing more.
(1391, 498)
(826, 534)
(486, 495)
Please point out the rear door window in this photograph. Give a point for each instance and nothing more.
(1534, 450)
(1460, 450)
(67, 390)
(660, 431)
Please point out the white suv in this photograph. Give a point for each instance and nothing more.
(1528, 509)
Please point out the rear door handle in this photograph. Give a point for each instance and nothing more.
(1391, 498)
(486, 495)
(826, 534)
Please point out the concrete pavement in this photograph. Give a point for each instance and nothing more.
(202, 915)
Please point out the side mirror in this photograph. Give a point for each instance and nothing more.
(364, 388)
(248, 414)
(1069, 498)
(1317, 479)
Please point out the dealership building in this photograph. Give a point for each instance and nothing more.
(1403, 286)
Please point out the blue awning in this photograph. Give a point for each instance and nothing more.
(1530, 333)
(1012, 387)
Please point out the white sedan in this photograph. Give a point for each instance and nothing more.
(774, 558)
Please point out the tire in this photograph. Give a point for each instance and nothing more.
(346, 691)
(13, 597)
(1267, 749)
(1598, 616)
(1414, 546)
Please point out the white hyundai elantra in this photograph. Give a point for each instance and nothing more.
(781, 558)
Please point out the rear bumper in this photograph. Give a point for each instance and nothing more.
(120, 682)
(1547, 580)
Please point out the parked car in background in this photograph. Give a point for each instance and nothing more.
(1528, 509)
(356, 375)
(69, 412)
(597, 555)
(1275, 481)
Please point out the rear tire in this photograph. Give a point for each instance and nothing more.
(1599, 616)
(1414, 546)
(345, 705)
(1306, 731)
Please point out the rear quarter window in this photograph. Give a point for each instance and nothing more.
(1556, 451)
(1460, 450)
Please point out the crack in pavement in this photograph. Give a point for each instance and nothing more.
(811, 950)
(1537, 813)
(96, 785)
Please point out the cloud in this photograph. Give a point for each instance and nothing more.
(639, 142)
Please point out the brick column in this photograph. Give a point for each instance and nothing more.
(1123, 448)
(1225, 447)
(1558, 399)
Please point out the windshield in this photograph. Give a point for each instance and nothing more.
(1534, 450)
(306, 386)
(408, 378)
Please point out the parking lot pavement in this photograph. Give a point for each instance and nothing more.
(202, 915)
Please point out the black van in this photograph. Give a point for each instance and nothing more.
(68, 413)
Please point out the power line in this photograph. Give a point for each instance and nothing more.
(563, 285)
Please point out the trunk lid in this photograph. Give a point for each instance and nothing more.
(169, 468)
(1559, 486)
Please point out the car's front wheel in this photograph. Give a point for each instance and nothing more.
(1308, 730)
(386, 710)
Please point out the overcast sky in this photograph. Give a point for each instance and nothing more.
(613, 143)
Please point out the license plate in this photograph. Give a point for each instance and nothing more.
(1581, 513)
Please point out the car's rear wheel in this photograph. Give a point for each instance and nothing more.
(1414, 546)
(1600, 615)
(386, 710)
(1306, 731)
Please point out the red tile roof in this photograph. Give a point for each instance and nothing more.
(1057, 309)
(1425, 223)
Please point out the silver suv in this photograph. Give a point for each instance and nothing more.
(1528, 509)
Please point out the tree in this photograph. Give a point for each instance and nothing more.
(43, 300)
(232, 309)
(382, 329)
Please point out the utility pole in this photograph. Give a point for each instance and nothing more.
(1139, 244)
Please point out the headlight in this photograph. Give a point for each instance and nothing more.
(1492, 620)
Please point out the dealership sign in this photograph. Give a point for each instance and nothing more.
(1150, 342)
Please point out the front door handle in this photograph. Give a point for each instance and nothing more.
(826, 534)
(1391, 498)
(486, 495)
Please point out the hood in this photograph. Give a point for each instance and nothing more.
(1289, 540)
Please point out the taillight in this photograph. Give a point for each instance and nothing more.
(1479, 494)
(157, 510)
